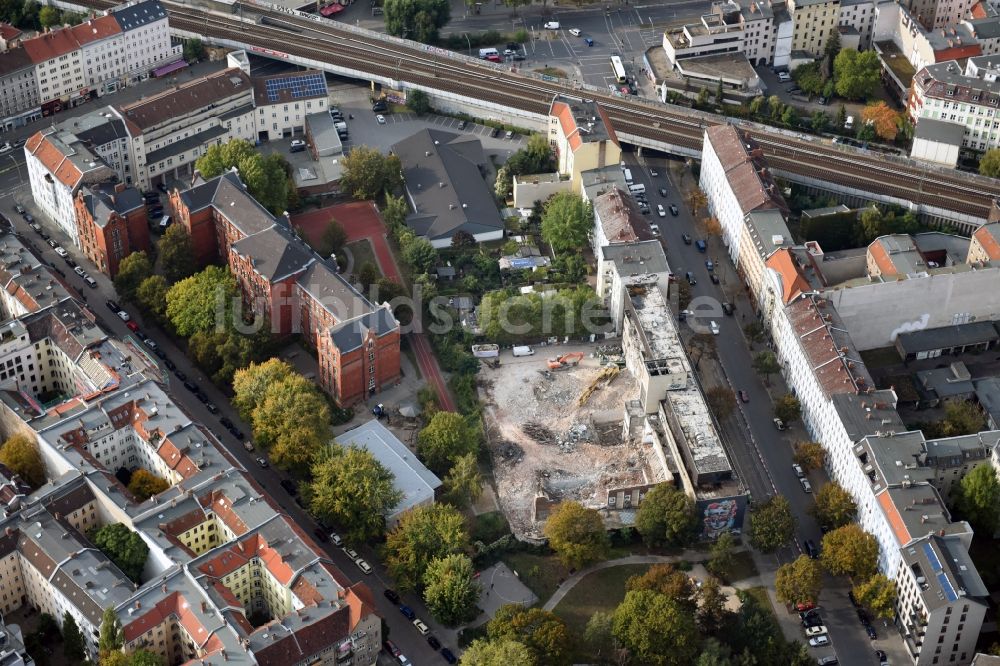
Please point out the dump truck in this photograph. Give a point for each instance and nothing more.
(565, 361)
(486, 351)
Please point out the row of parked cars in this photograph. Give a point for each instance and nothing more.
(61, 251)
(421, 627)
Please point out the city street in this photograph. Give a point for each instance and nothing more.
(761, 454)
(404, 634)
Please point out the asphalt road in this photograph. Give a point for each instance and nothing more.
(762, 453)
(402, 631)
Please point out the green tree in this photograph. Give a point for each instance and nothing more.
(333, 239)
(715, 653)
(766, 364)
(567, 222)
(292, 423)
(176, 253)
(989, 163)
(368, 274)
(266, 177)
(463, 484)
(712, 614)
(251, 384)
(597, 635)
(701, 100)
(656, 630)
(504, 182)
(850, 551)
(666, 516)
(541, 631)
(446, 438)
(49, 16)
(505, 652)
(152, 296)
(665, 579)
(418, 101)
(221, 353)
(789, 116)
(809, 455)
(723, 555)
(111, 637)
(123, 547)
(144, 484)
(834, 506)
(21, 456)
(856, 73)
(772, 524)
(820, 122)
(535, 157)
(423, 534)
(961, 418)
(132, 270)
(418, 253)
(73, 646)
(977, 498)
(354, 491)
(809, 78)
(145, 658)
(450, 590)
(577, 534)
(721, 401)
(202, 301)
(799, 581)
(394, 212)
(787, 408)
(878, 594)
(194, 49)
(367, 173)
(419, 20)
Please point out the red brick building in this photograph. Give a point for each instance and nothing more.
(356, 342)
(111, 222)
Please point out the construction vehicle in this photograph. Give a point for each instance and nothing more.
(565, 361)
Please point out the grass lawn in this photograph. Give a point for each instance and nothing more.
(600, 591)
(743, 567)
(541, 573)
(552, 71)
(362, 251)
(760, 594)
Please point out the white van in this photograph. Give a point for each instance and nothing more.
(637, 189)
(628, 176)
(784, 77)
(164, 222)
(849, 123)
(486, 53)
(523, 351)
(551, 25)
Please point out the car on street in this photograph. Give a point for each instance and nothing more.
(690, 278)
(494, 132)
(434, 642)
(407, 612)
(819, 641)
(391, 648)
(806, 486)
(660, 211)
(575, 32)
(863, 616)
(655, 228)
(171, 367)
(351, 553)
(335, 538)
(778, 423)
(262, 461)
(289, 486)
(744, 396)
(112, 306)
(728, 308)
(714, 278)
(61, 252)
(687, 239)
(449, 656)
(816, 631)
(830, 660)
(710, 265)
(297, 146)
(798, 470)
(551, 25)
(210, 406)
(124, 316)
(461, 125)
(201, 397)
(226, 423)
(237, 433)
(804, 606)
(653, 173)
(191, 386)
(380, 119)
(150, 342)
(6, 148)
(51, 243)
(421, 627)
(389, 594)
(810, 547)
(673, 210)
(881, 656)
(663, 192)
(248, 445)
(714, 326)
(79, 271)
(872, 634)
(19, 208)
(180, 375)
(132, 326)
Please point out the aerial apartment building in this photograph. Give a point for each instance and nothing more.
(969, 98)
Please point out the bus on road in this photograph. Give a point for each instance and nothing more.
(619, 69)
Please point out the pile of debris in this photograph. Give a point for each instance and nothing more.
(538, 432)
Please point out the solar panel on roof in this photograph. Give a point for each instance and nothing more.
(299, 86)
(932, 557)
(949, 591)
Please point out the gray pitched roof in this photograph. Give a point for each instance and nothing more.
(102, 201)
(275, 252)
(228, 194)
(135, 16)
(443, 179)
(351, 335)
(333, 292)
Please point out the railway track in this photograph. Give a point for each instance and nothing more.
(328, 41)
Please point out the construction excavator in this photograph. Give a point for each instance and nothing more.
(565, 361)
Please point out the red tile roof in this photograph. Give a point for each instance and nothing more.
(236, 556)
(751, 182)
(9, 32)
(50, 45)
(895, 520)
(822, 343)
(53, 159)
(987, 237)
(793, 282)
(95, 29)
(308, 641)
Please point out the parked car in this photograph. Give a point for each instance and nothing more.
(494, 132)
(132, 326)
(687, 239)
(714, 326)
(806, 486)
(673, 210)
(819, 641)
(190, 386)
(407, 612)
(816, 631)
(434, 642)
(798, 470)
(353, 554)
(872, 634)
(461, 125)
(714, 278)
(248, 446)
(449, 656)
(810, 548)
(124, 316)
(863, 616)
(830, 660)
(19, 208)
(289, 486)
(226, 423)
(262, 461)
(575, 32)
(391, 648)
(79, 271)
(778, 423)
(421, 627)
(337, 541)
(744, 396)
(389, 594)
(297, 146)
(112, 306)
(380, 119)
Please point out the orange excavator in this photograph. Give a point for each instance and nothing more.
(565, 361)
